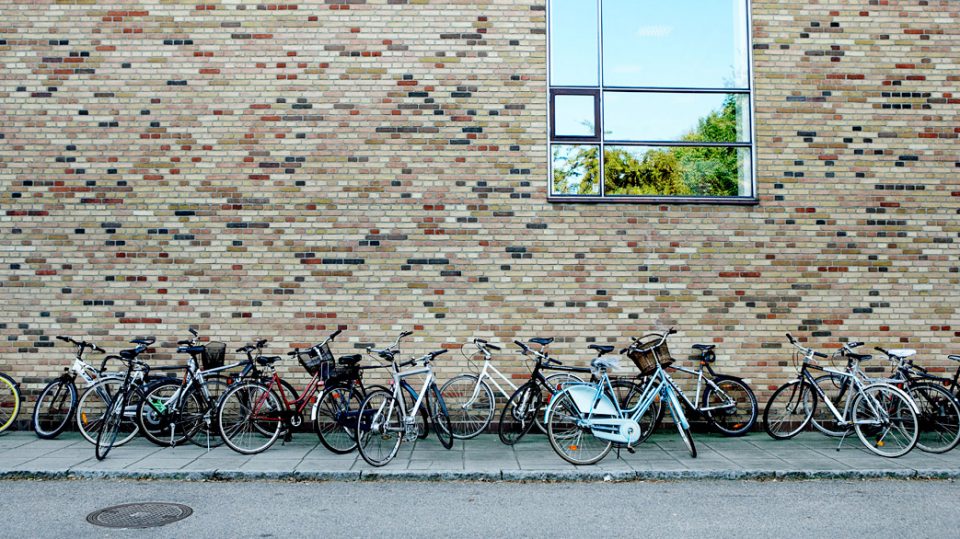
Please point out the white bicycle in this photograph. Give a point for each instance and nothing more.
(470, 400)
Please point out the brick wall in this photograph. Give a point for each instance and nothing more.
(279, 170)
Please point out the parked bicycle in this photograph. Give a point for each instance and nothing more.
(585, 420)
(57, 404)
(117, 414)
(939, 409)
(385, 420)
(883, 417)
(726, 403)
(253, 414)
(470, 399)
(525, 406)
(10, 399)
(177, 411)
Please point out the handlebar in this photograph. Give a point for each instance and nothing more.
(854, 344)
(335, 333)
(523, 346)
(818, 354)
(884, 350)
(484, 344)
(83, 344)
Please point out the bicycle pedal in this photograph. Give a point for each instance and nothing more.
(630, 450)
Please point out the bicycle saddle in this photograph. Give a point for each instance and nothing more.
(902, 352)
(350, 360)
(704, 347)
(601, 348)
(605, 363)
(859, 357)
(541, 341)
(268, 360)
(144, 342)
(129, 353)
(954, 358)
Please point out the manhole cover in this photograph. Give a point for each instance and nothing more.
(139, 515)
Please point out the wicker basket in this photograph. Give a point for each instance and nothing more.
(646, 353)
(316, 360)
(212, 356)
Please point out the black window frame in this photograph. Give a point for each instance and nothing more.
(599, 140)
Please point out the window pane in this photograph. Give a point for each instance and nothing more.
(677, 171)
(675, 43)
(574, 116)
(676, 117)
(574, 47)
(576, 169)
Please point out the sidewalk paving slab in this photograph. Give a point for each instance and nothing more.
(663, 457)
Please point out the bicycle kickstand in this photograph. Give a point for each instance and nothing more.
(842, 438)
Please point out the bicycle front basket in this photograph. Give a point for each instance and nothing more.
(646, 353)
(315, 362)
(213, 353)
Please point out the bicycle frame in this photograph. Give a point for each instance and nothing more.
(399, 384)
(702, 383)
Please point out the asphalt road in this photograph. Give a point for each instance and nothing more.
(874, 509)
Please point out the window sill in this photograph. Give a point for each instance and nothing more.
(719, 201)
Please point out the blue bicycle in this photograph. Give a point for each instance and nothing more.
(586, 420)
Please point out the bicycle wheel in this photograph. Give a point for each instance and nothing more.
(789, 410)
(628, 394)
(110, 428)
(157, 414)
(885, 422)
(440, 417)
(92, 408)
(335, 420)
(54, 409)
(575, 443)
(471, 404)
(9, 402)
(555, 382)
(423, 418)
(205, 434)
(836, 388)
(939, 417)
(519, 414)
(249, 417)
(731, 406)
(379, 428)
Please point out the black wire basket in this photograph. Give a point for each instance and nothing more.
(213, 353)
(316, 360)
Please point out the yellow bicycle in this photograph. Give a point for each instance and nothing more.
(9, 401)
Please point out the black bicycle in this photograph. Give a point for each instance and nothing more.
(115, 415)
(524, 408)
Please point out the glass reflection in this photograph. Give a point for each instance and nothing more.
(675, 44)
(676, 171)
(574, 116)
(576, 169)
(675, 117)
(574, 47)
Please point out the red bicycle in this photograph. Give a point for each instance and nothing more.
(253, 414)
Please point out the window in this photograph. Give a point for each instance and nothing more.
(650, 100)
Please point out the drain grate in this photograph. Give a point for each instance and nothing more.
(139, 515)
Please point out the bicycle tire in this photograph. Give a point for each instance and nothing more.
(835, 388)
(518, 415)
(468, 421)
(335, 418)
(379, 428)
(555, 382)
(440, 417)
(9, 402)
(205, 434)
(722, 420)
(939, 417)
(93, 405)
(801, 398)
(874, 432)
(572, 441)
(688, 440)
(153, 417)
(628, 393)
(55, 408)
(236, 423)
(111, 426)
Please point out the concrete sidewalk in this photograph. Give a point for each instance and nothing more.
(756, 456)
